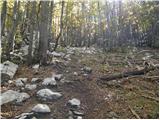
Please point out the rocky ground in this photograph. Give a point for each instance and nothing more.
(69, 87)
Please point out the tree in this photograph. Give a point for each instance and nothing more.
(61, 27)
(43, 43)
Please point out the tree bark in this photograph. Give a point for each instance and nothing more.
(61, 27)
(13, 28)
(43, 45)
(3, 17)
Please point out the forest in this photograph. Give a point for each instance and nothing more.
(79, 59)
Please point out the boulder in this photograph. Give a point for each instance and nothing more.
(41, 108)
(75, 103)
(11, 96)
(47, 94)
(49, 81)
(30, 87)
(20, 82)
(8, 70)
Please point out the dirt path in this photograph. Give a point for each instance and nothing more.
(97, 100)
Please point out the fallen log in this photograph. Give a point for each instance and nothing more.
(127, 74)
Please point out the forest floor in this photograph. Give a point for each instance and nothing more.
(131, 97)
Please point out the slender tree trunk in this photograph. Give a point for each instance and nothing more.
(13, 28)
(3, 17)
(61, 27)
(31, 28)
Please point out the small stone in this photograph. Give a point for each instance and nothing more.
(79, 117)
(22, 97)
(78, 113)
(58, 77)
(49, 81)
(41, 108)
(47, 94)
(20, 82)
(35, 80)
(74, 103)
(36, 66)
(75, 73)
(87, 70)
(30, 87)
(24, 116)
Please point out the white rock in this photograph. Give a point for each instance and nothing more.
(22, 97)
(55, 54)
(47, 94)
(75, 73)
(41, 108)
(58, 76)
(49, 81)
(74, 102)
(34, 80)
(36, 66)
(10, 96)
(79, 117)
(8, 70)
(30, 87)
(24, 115)
(20, 81)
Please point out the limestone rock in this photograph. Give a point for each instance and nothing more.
(49, 81)
(74, 103)
(20, 82)
(30, 87)
(47, 94)
(11, 96)
(41, 108)
(8, 70)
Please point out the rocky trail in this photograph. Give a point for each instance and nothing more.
(69, 87)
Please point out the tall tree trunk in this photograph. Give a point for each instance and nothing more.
(31, 28)
(3, 17)
(61, 27)
(43, 45)
(13, 28)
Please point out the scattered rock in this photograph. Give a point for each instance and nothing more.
(11, 96)
(49, 81)
(58, 77)
(75, 103)
(78, 113)
(41, 108)
(79, 117)
(75, 73)
(8, 70)
(35, 80)
(24, 116)
(47, 94)
(112, 115)
(55, 54)
(87, 70)
(30, 87)
(36, 66)
(20, 82)
(22, 97)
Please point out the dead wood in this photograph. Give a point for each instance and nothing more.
(127, 74)
(134, 113)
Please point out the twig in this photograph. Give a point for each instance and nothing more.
(149, 97)
(134, 113)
